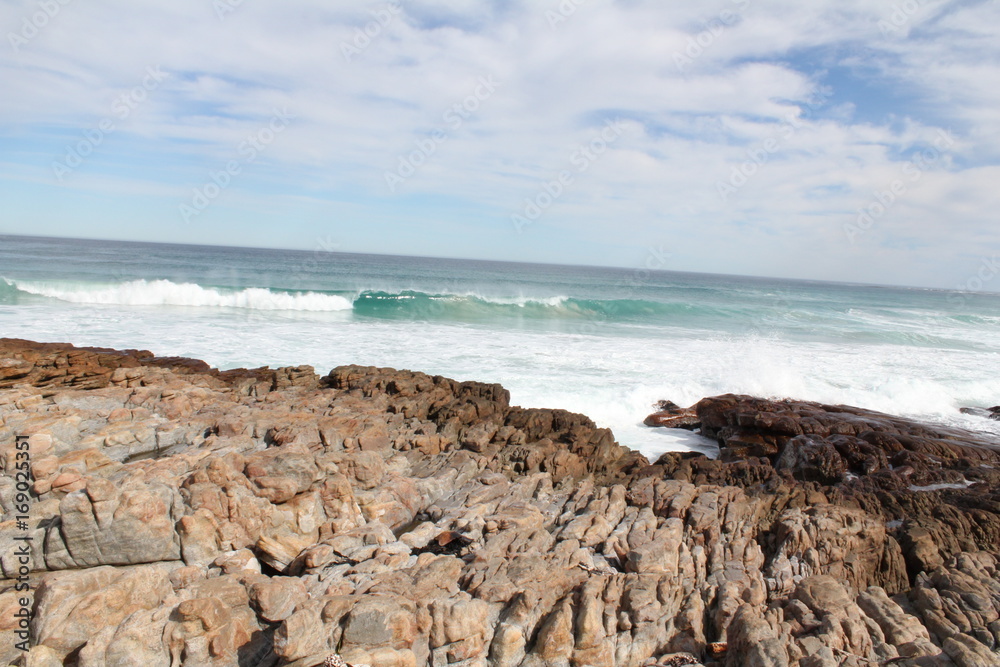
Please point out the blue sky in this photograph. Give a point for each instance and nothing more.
(850, 140)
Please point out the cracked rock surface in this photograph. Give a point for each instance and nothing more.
(185, 516)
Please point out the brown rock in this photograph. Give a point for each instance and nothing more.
(275, 599)
(407, 519)
(671, 415)
(71, 607)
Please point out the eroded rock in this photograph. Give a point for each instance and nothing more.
(183, 515)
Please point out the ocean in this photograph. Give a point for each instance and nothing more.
(602, 341)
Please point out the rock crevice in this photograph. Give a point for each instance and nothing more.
(183, 515)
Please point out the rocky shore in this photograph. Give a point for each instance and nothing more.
(180, 515)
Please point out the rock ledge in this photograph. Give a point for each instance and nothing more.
(183, 515)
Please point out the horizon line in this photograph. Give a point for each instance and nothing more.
(841, 283)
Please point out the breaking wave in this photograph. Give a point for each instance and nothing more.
(168, 293)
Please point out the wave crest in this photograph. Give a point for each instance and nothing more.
(169, 293)
(370, 303)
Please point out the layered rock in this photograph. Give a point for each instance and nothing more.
(867, 509)
(183, 515)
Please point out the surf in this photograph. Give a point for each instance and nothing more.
(169, 293)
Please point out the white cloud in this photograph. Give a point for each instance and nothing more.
(746, 87)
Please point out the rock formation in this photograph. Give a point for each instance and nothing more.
(988, 413)
(185, 516)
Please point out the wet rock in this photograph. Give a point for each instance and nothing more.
(812, 461)
(670, 415)
(987, 413)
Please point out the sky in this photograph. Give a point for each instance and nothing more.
(848, 140)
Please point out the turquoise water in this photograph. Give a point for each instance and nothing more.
(606, 342)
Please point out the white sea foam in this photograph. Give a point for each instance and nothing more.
(552, 302)
(520, 301)
(611, 378)
(610, 371)
(964, 484)
(168, 293)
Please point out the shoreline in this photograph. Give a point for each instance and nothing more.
(402, 518)
(607, 346)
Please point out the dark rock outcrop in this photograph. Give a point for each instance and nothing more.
(988, 413)
(937, 487)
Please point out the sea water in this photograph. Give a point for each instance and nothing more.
(605, 342)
